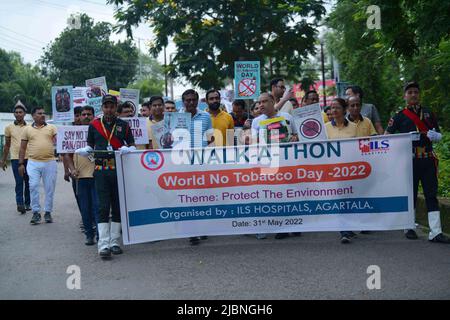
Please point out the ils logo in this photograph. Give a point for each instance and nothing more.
(152, 160)
(368, 146)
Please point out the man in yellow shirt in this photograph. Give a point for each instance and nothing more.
(82, 171)
(364, 126)
(222, 122)
(13, 135)
(39, 140)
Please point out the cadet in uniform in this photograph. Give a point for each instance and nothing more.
(107, 134)
(414, 117)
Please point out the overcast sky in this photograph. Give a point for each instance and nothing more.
(26, 26)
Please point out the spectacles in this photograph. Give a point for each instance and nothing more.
(282, 87)
(86, 114)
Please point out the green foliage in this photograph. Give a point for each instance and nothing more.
(21, 81)
(364, 60)
(211, 35)
(412, 44)
(443, 152)
(150, 80)
(87, 52)
(148, 87)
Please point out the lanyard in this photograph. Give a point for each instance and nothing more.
(106, 134)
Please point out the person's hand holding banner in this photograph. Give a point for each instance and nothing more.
(84, 152)
(125, 149)
(294, 138)
(434, 136)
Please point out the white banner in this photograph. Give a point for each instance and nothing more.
(139, 129)
(341, 185)
(70, 138)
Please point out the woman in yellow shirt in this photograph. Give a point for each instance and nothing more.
(339, 127)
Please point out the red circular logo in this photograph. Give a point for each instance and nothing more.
(152, 160)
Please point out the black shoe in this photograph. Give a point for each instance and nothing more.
(27, 207)
(89, 241)
(116, 250)
(345, 239)
(441, 238)
(411, 234)
(203, 237)
(296, 234)
(48, 217)
(194, 241)
(366, 232)
(105, 253)
(281, 235)
(36, 218)
(21, 209)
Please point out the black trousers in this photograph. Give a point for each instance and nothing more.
(108, 195)
(425, 171)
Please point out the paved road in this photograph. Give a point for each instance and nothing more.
(34, 260)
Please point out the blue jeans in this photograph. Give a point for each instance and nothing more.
(88, 204)
(21, 184)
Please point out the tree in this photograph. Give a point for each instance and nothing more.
(150, 80)
(21, 81)
(87, 52)
(407, 47)
(211, 35)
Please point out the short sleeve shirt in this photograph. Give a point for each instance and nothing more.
(221, 123)
(371, 112)
(40, 145)
(15, 131)
(364, 127)
(335, 132)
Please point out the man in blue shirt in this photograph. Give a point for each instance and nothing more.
(201, 130)
(201, 125)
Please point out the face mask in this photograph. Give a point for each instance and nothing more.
(214, 106)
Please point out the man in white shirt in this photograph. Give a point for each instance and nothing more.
(279, 126)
